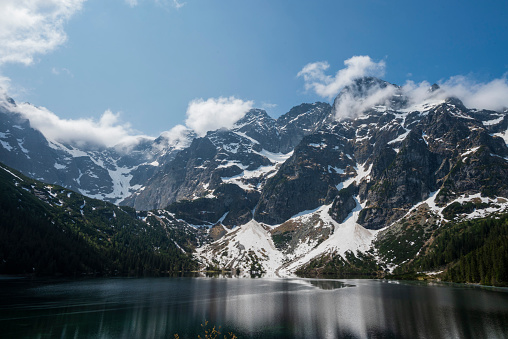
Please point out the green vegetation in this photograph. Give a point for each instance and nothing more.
(337, 266)
(48, 230)
(456, 208)
(281, 240)
(474, 251)
(212, 333)
(402, 242)
(255, 267)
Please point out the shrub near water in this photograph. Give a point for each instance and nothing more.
(211, 333)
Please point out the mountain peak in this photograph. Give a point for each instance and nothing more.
(456, 101)
(253, 115)
(10, 101)
(302, 109)
(362, 87)
(364, 93)
(434, 88)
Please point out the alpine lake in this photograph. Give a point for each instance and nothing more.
(249, 308)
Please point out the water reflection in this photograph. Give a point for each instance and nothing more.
(325, 284)
(276, 308)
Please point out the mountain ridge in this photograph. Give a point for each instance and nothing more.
(318, 186)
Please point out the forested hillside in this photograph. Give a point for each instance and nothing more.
(47, 230)
(473, 251)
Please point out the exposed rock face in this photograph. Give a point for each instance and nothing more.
(326, 177)
(408, 154)
(247, 155)
(290, 235)
(179, 178)
(300, 121)
(308, 179)
(230, 206)
(107, 173)
(408, 179)
(431, 158)
(343, 204)
(371, 146)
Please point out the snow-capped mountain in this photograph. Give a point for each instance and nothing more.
(107, 173)
(385, 166)
(321, 186)
(245, 156)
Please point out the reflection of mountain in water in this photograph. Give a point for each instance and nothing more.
(250, 308)
(329, 284)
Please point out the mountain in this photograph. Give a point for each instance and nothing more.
(107, 173)
(363, 186)
(246, 156)
(357, 186)
(48, 230)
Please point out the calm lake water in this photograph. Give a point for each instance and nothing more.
(252, 308)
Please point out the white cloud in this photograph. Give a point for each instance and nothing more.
(328, 86)
(269, 107)
(175, 134)
(351, 104)
(202, 116)
(178, 137)
(212, 114)
(108, 131)
(492, 95)
(31, 27)
(170, 3)
(418, 93)
(9, 90)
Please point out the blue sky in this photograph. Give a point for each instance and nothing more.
(148, 61)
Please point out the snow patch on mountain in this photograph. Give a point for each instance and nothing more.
(243, 135)
(121, 188)
(277, 158)
(361, 174)
(59, 166)
(424, 106)
(494, 121)
(252, 243)
(6, 145)
(243, 248)
(346, 236)
(399, 138)
(23, 149)
(262, 172)
(494, 205)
